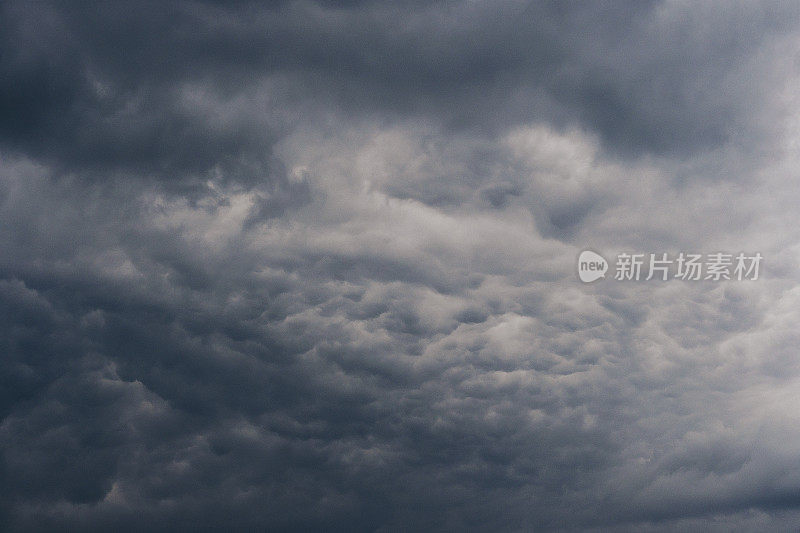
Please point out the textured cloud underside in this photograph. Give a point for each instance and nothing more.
(311, 266)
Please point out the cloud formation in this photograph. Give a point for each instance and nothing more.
(310, 266)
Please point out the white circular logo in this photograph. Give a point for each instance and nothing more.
(591, 266)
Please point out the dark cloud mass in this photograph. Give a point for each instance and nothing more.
(309, 266)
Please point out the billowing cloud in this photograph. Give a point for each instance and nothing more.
(311, 266)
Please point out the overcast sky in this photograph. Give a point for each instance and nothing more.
(311, 266)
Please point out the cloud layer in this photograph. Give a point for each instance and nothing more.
(311, 266)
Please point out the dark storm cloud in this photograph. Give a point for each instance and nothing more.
(104, 86)
(309, 266)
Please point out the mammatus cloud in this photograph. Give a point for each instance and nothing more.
(311, 266)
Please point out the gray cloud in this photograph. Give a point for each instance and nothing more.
(310, 266)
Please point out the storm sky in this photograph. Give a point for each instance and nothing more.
(311, 266)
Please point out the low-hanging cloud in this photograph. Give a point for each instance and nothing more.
(310, 266)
